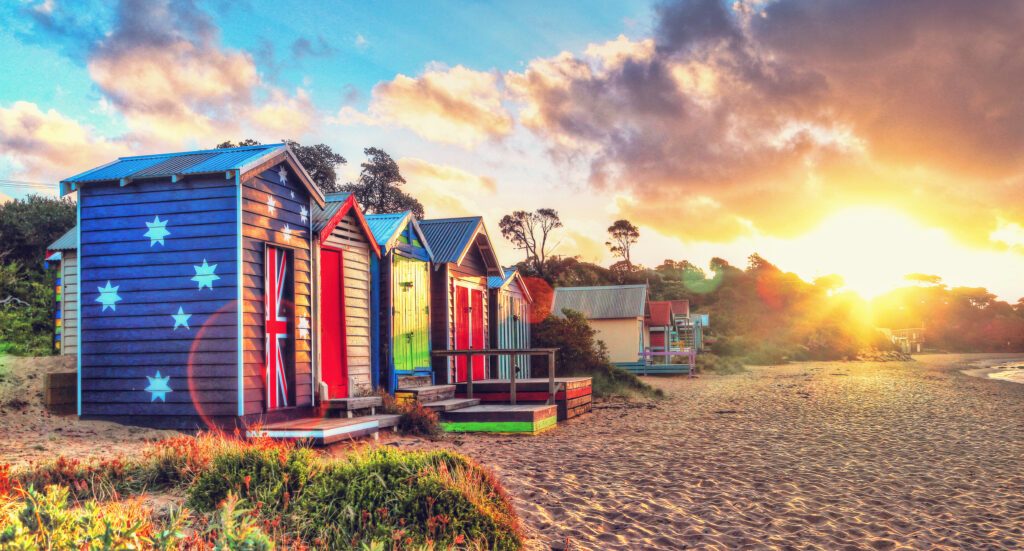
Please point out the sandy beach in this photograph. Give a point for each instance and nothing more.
(807, 456)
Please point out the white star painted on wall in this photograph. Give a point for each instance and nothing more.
(292, 192)
(205, 275)
(287, 231)
(304, 214)
(158, 387)
(108, 296)
(157, 231)
(303, 327)
(181, 318)
(271, 205)
(282, 175)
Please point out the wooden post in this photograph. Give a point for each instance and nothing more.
(469, 376)
(551, 377)
(512, 388)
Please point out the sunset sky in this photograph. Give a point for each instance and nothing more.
(870, 139)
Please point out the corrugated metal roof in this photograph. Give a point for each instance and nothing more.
(333, 203)
(66, 242)
(680, 307)
(169, 164)
(661, 313)
(384, 226)
(605, 302)
(448, 237)
(495, 282)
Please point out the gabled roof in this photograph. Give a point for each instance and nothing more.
(680, 307)
(510, 274)
(603, 302)
(388, 227)
(451, 238)
(66, 242)
(661, 313)
(190, 163)
(336, 207)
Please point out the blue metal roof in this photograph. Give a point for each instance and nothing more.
(66, 242)
(332, 204)
(182, 163)
(494, 282)
(385, 226)
(449, 237)
(603, 302)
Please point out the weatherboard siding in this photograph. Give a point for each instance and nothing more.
(348, 237)
(124, 345)
(69, 303)
(471, 273)
(262, 225)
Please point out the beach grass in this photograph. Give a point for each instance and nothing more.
(257, 494)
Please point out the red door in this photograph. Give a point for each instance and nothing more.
(334, 361)
(462, 318)
(477, 342)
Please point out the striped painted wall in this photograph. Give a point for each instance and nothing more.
(69, 303)
(158, 294)
(275, 210)
(348, 237)
(510, 326)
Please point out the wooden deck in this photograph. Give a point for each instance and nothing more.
(501, 418)
(321, 431)
(573, 395)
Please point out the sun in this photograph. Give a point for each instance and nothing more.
(872, 248)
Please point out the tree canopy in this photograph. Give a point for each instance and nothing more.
(530, 232)
(622, 235)
(378, 186)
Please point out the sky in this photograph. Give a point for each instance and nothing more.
(871, 138)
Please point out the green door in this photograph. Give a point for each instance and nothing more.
(410, 287)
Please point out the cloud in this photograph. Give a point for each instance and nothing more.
(782, 112)
(47, 145)
(445, 190)
(453, 105)
(304, 47)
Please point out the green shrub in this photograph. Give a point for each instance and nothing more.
(438, 497)
(710, 363)
(270, 476)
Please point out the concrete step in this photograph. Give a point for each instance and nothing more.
(451, 404)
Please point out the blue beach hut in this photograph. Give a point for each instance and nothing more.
(195, 304)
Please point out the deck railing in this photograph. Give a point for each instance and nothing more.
(689, 354)
(488, 352)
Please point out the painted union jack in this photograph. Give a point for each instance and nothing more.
(276, 328)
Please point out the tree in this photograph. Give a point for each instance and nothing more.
(622, 234)
(377, 188)
(28, 225)
(529, 231)
(320, 161)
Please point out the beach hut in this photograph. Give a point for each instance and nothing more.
(344, 248)
(616, 313)
(401, 299)
(463, 260)
(64, 253)
(195, 302)
(510, 319)
(663, 335)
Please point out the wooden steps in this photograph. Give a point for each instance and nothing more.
(424, 394)
(349, 405)
(501, 418)
(573, 395)
(320, 431)
(451, 404)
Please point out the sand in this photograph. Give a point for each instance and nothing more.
(29, 433)
(807, 456)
